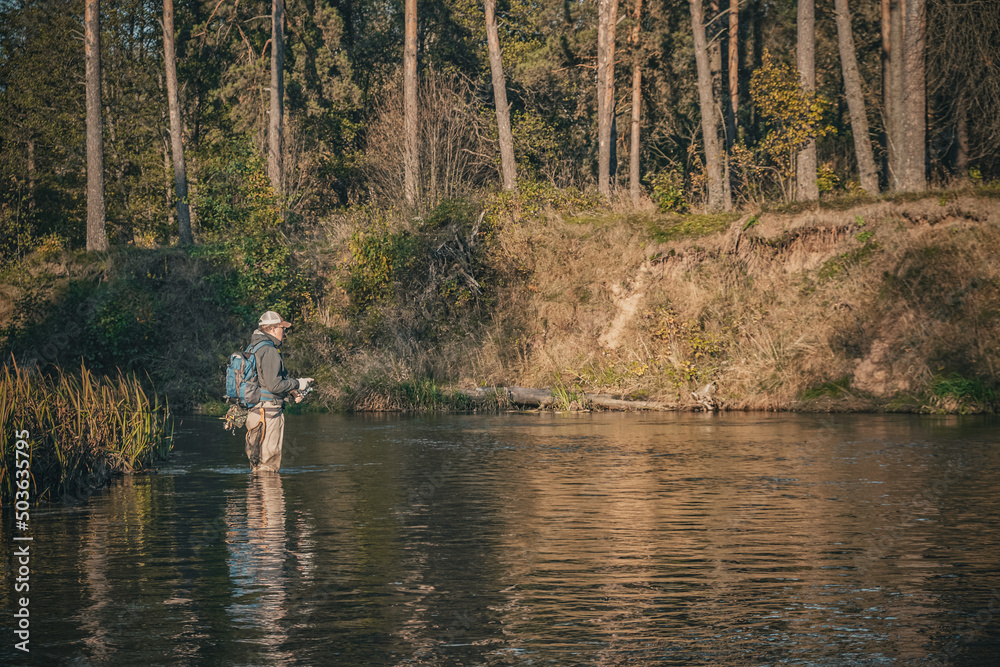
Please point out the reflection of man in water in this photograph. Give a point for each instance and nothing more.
(257, 544)
(266, 421)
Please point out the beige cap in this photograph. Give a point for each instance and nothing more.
(271, 318)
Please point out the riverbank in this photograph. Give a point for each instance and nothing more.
(880, 306)
(866, 305)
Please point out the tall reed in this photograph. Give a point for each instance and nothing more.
(82, 429)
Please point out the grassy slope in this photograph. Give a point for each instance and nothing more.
(865, 306)
(881, 305)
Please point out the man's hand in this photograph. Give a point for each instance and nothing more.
(304, 383)
(298, 397)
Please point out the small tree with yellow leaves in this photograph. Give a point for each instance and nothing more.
(793, 116)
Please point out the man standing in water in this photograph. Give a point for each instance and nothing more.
(266, 421)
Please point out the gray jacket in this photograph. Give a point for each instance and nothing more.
(271, 373)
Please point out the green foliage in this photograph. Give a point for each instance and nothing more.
(841, 263)
(169, 315)
(693, 352)
(43, 120)
(379, 394)
(668, 191)
(794, 117)
(429, 275)
(241, 220)
(827, 179)
(324, 107)
(234, 193)
(262, 276)
(831, 389)
(379, 257)
(123, 329)
(676, 227)
(536, 144)
(533, 198)
(619, 376)
(450, 212)
(341, 70)
(565, 398)
(955, 393)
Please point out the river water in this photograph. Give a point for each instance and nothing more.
(534, 539)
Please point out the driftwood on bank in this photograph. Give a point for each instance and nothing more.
(542, 398)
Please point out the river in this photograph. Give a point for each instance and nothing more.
(534, 539)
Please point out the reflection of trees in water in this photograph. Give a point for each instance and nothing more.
(256, 545)
(710, 542)
(127, 576)
(95, 556)
(714, 531)
(115, 527)
(583, 553)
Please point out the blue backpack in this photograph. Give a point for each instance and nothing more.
(242, 387)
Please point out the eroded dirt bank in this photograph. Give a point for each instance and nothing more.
(880, 306)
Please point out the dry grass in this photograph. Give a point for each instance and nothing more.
(887, 295)
(859, 308)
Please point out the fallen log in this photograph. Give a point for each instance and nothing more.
(541, 398)
(510, 395)
(612, 403)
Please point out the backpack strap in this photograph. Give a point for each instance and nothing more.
(252, 349)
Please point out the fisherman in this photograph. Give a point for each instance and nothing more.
(266, 421)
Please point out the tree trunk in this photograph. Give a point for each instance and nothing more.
(855, 100)
(410, 125)
(32, 173)
(176, 141)
(613, 158)
(543, 398)
(806, 188)
(962, 138)
(734, 71)
(169, 192)
(275, 125)
(606, 22)
(719, 92)
(603, 126)
(914, 112)
(507, 164)
(754, 59)
(894, 103)
(97, 238)
(887, 113)
(633, 160)
(709, 119)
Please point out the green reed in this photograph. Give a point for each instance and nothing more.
(83, 429)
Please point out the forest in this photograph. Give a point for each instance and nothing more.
(700, 105)
(439, 190)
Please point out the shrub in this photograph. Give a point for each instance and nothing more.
(668, 192)
(379, 257)
(241, 219)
